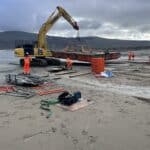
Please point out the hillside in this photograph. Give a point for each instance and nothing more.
(9, 39)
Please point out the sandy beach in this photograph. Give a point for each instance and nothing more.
(116, 119)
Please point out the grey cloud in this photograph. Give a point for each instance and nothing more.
(144, 28)
(93, 16)
(84, 25)
(89, 24)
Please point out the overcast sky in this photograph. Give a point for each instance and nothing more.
(121, 19)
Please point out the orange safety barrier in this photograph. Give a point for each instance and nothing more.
(97, 64)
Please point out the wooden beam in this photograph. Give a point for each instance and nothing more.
(69, 72)
(80, 74)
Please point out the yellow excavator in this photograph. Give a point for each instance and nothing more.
(39, 52)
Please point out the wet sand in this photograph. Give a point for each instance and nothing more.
(115, 121)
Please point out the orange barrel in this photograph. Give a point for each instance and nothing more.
(97, 64)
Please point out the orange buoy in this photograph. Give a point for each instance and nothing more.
(97, 64)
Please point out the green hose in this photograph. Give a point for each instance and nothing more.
(45, 104)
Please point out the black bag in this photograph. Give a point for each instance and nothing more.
(67, 99)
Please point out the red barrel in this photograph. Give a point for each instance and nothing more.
(97, 64)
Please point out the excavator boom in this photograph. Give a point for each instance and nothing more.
(60, 12)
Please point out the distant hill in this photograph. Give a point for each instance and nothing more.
(9, 39)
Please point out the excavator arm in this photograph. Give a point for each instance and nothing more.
(60, 12)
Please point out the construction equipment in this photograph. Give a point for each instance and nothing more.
(39, 51)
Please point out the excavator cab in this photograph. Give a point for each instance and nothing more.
(28, 48)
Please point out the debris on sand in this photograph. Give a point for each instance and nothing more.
(21, 93)
(24, 80)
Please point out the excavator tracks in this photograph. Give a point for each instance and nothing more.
(43, 62)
